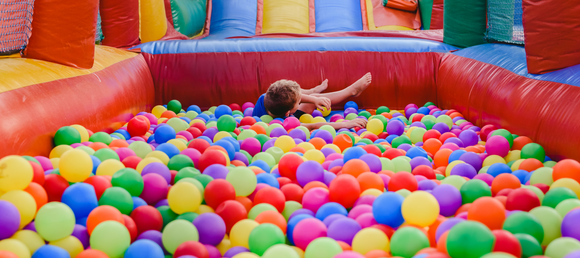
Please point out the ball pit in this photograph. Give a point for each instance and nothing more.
(413, 183)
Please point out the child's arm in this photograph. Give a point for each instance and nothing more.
(345, 124)
(319, 102)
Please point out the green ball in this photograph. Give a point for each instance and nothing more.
(550, 220)
(120, 136)
(290, 207)
(534, 151)
(560, 247)
(543, 176)
(105, 154)
(404, 192)
(429, 104)
(266, 157)
(246, 134)
(177, 232)
(322, 247)
(305, 130)
(530, 246)
(130, 180)
(445, 119)
(383, 119)
(366, 141)
(555, 196)
(417, 135)
(365, 114)
(237, 112)
(167, 214)
(329, 129)
(272, 126)
(226, 123)
(381, 147)
(101, 137)
(262, 138)
(243, 180)
(35, 160)
(428, 124)
(566, 206)
(259, 208)
(203, 179)
(401, 164)
(351, 116)
(118, 198)
(506, 134)
(473, 189)
(208, 112)
(67, 135)
(54, 220)
(179, 162)
(177, 124)
(211, 124)
(498, 255)
(387, 164)
(212, 109)
(400, 140)
(383, 109)
(266, 119)
(248, 156)
(263, 237)
(469, 239)
(141, 149)
(280, 251)
(111, 237)
(189, 216)
(186, 172)
(525, 223)
(454, 180)
(194, 181)
(276, 153)
(439, 177)
(174, 105)
(407, 241)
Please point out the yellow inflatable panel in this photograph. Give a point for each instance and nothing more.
(371, 20)
(285, 16)
(19, 72)
(153, 22)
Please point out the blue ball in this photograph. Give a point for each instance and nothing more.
(423, 110)
(279, 119)
(351, 104)
(186, 119)
(144, 248)
(269, 179)
(292, 224)
(50, 251)
(194, 108)
(124, 133)
(204, 116)
(261, 164)
(234, 142)
(164, 134)
(330, 208)
(96, 163)
(257, 119)
(230, 149)
(417, 152)
(138, 202)
(456, 155)
(387, 209)
(521, 175)
(528, 176)
(353, 153)
(168, 148)
(151, 138)
(390, 138)
(380, 140)
(498, 168)
(223, 110)
(205, 138)
(81, 198)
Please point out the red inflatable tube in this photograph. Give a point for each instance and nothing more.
(94, 100)
(398, 78)
(486, 94)
(437, 15)
(120, 23)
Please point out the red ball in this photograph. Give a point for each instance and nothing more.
(192, 248)
(199, 126)
(199, 144)
(138, 126)
(402, 180)
(55, 185)
(131, 226)
(506, 242)
(131, 162)
(231, 212)
(446, 136)
(504, 181)
(372, 148)
(147, 218)
(211, 157)
(383, 135)
(345, 190)
(485, 131)
(392, 153)
(371, 137)
(194, 131)
(247, 121)
(38, 176)
(431, 134)
(417, 118)
(522, 199)
(235, 106)
(272, 196)
(283, 181)
(504, 192)
(217, 192)
(100, 184)
(293, 192)
(424, 170)
(288, 166)
(543, 187)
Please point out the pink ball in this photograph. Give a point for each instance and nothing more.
(365, 200)
(314, 198)
(291, 123)
(462, 215)
(124, 152)
(420, 178)
(186, 134)
(349, 254)
(259, 187)
(76, 145)
(151, 117)
(155, 188)
(307, 230)
(44, 162)
(213, 251)
(411, 106)
(335, 117)
(276, 121)
(193, 154)
(485, 177)
(251, 145)
(360, 210)
(366, 220)
(247, 105)
(451, 146)
(497, 145)
(334, 156)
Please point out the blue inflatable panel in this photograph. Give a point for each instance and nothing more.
(296, 44)
(513, 58)
(338, 15)
(231, 18)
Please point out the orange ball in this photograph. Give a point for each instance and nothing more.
(168, 114)
(355, 167)
(442, 243)
(258, 129)
(343, 141)
(118, 143)
(473, 149)
(314, 184)
(246, 202)
(238, 163)
(531, 164)
(387, 172)
(103, 213)
(441, 158)
(428, 250)
(38, 193)
(98, 145)
(370, 180)
(504, 181)
(92, 253)
(344, 246)
(376, 254)
(272, 217)
(488, 211)
(502, 199)
(566, 168)
(317, 142)
(387, 115)
(298, 149)
(520, 142)
(7, 254)
(463, 208)
(431, 232)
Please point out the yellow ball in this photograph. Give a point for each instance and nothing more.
(109, 167)
(315, 155)
(25, 204)
(15, 173)
(204, 209)
(408, 132)
(158, 110)
(75, 166)
(306, 118)
(30, 239)
(71, 244)
(306, 146)
(16, 247)
(298, 251)
(372, 191)
(196, 121)
(159, 155)
(57, 151)
(191, 114)
(513, 155)
(82, 131)
(240, 232)
(184, 197)
(492, 159)
(285, 142)
(332, 146)
(220, 135)
(451, 166)
(568, 183)
(420, 208)
(318, 119)
(146, 161)
(161, 120)
(369, 239)
(54, 162)
(325, 112)
(516, 165)
(224, 246)
(246, 255)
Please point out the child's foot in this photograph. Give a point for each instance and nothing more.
(361, 84)
(320, 88)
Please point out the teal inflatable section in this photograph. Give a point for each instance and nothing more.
(188, 16)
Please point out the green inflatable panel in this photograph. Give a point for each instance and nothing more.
(188, 16)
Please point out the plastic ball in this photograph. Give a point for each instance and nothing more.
(118, 198)
(307, 230)
(9, 219)
(178, 232)
(243, 180)
(488, 211)
(387, 209)
(420, 208)
(144, 248)
(407, 241)
(469, 239)
(111, 237)
(345, 190)
(369, 239)
(526, 223)
(263, 237)
(497, 145)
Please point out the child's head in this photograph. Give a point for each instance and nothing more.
(282, 98)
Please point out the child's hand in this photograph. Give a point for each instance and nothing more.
(358, 122)
(322, 102)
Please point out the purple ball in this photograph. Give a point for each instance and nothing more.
(455, 131)
(9, 219)
(570, 226)
(446, 225)
(154, 236)
(350, 111)
(457, 141)
(301, 211)
(162, 203)
(327, 151)
(82, 234)
(309, 171)
(395, 127)
(211, 228)
(278, 131)
(575, 254)
(158, 168)
(410, 111)
(418, 161)
(331, 218)
(343, 229)
(216, 171)
(31, 226)
(472, 159)
(336, 163)
(235, 250)
(316, 113)
(373, 162)
(212, 250)
(241, 157)
(361, 131)
(405, 147)
(269, 144)
(449, 199)
(425, 185)
(325, 135)
(365, 199)
(328, 177)
(335, 117)
(298, 134)
(210, 132)
(418, 124)
(485, 177)
(441, 127)
(248, 111)
(464, 170)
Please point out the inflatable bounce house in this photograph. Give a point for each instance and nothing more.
(128, 129)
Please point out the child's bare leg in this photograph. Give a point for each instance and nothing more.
(354, 90)
(318, 89)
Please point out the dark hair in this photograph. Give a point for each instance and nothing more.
(281, 97)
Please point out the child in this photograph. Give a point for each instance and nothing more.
(285, 98)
